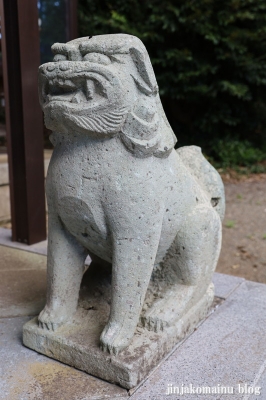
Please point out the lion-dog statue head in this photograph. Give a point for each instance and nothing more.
(105, 86)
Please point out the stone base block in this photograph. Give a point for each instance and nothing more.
(77, 342)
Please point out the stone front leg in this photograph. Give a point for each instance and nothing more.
(65, 267)
(132, 267)
(135, 245)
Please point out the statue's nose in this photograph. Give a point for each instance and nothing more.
(64, 66)
(55, 67)
(49, 67)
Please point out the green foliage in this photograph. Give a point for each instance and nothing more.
(209, 57)
(230, 224)
(229, 153)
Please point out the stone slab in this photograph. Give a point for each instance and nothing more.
(15, 259)
(22, 282)
(260, 382)
(228, 349)
(225, 284)
(6, 240)
(22, 292)
(227, 287)
(77, 342)
(27, 375)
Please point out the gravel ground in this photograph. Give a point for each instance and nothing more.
(244, 228)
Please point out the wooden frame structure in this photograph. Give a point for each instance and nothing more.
(24, 123)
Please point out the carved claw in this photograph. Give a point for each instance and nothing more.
(40, 324)
(51, 320)
(153, 324)
(112, 350)
(49, 326)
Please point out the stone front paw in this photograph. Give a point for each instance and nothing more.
(115, 338)
(51, 319)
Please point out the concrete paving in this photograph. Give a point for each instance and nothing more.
(5, 240)
(22, 282)
(227, 350)
(27, 375)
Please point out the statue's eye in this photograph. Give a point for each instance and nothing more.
(60, 57)
(97, 58)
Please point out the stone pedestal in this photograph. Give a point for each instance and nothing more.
(77, 342)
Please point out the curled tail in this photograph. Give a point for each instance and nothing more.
(207, 176)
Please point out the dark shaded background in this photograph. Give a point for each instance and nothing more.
(209, 58)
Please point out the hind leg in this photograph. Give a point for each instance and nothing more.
(198, 246)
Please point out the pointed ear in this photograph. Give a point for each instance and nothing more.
(145, 79)
(140, 130)
(146, 131)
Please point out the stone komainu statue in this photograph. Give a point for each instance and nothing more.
(117, 189)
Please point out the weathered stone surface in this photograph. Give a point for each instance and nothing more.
(27, 375)
(227, 350)
(149, 206)
(228, 347)
(119, 192)
(77, 342)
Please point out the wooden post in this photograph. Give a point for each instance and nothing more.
(71, 19)
(21, 58)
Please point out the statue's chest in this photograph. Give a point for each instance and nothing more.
(74, 168)
(76, 186)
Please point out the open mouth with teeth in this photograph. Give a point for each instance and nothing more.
(77, 90)
(86, 98)
(76, 83)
